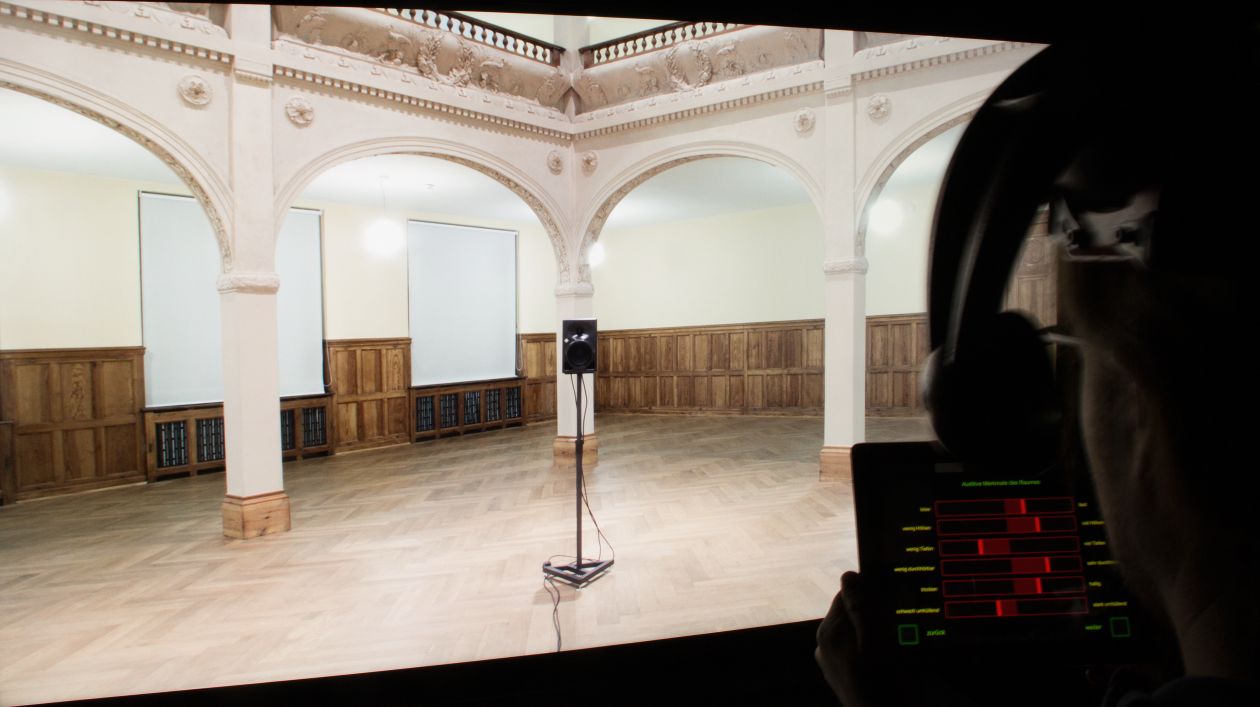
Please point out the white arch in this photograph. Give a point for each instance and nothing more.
(174, 151)
(898, 149)
(631, 177)
(503, 172)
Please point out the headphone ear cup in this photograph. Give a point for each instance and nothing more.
(996, 399)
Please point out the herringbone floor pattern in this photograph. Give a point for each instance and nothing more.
(423, 554)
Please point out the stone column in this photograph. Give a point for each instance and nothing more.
(574, 301)
(844, 267)
(256, 503)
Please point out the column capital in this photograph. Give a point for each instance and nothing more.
(250, 282)
(575, 289)
(856, 265)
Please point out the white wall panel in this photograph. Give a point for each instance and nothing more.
(462, 302)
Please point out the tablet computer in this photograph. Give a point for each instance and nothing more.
(986, 565)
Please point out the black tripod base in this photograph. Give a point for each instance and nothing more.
(579, 573)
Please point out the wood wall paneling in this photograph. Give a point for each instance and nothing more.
(8, 481)
(1032, 288)
(175, 432)
(475, 406)
(538, 358)
(897, 345)
(370, 379)
(761, 368)
(75, 418)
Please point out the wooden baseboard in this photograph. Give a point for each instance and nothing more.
(835, 464)
(251, 517)
(563, 449)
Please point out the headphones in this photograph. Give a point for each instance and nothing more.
(1077, 127)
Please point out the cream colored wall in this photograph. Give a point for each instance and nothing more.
(70, 265)
(897, 280)
(69, 259)
(365, 293)
(754, 266)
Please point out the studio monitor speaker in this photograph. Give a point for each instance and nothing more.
(578, 345)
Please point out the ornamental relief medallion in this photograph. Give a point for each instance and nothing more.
(299, 111)
(195, 91)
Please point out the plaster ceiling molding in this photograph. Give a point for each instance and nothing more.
(204, 18)
(299, 111)
(195, 91)
(804, 121)
(900, 58)
(555, 162)
(439, 56)
(909, 43)
(689, 66)
(879, 107)
(590, 162)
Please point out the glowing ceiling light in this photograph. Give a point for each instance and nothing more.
(595, 255)
(384, 238)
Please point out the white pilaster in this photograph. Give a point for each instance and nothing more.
(256, 503)
(844, 268)
(251, 401)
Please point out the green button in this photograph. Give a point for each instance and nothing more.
(908, 634)
(1120, 627)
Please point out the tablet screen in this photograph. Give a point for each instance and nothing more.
(962, 562)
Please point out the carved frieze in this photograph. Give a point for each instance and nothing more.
(440, 56)
(201, 17)
(694, 64)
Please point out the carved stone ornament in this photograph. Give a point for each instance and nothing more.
(879, 107)
(299, 111)
(194, 90)
(804, 121)
(345, 36)
(250, 282)
(590, 161)
(555, 162)
(847, 266)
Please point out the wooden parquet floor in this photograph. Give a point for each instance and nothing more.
(421, 555)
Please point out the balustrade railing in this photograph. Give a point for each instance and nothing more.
(483, 32)
(652, 40)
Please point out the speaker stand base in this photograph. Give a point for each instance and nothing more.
(579, 573)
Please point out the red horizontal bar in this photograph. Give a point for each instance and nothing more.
(1010, 608)
(980, 567)
(1004, 506)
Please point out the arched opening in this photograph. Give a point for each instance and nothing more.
(487, 164)
(710, 302)
(108, 268)
(895, 228)
(435, 277)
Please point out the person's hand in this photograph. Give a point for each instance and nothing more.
(839, 652)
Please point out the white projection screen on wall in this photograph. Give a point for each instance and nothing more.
(179, 271)
(461, 295)
(299, 304)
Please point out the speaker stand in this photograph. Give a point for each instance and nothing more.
(580, 572)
